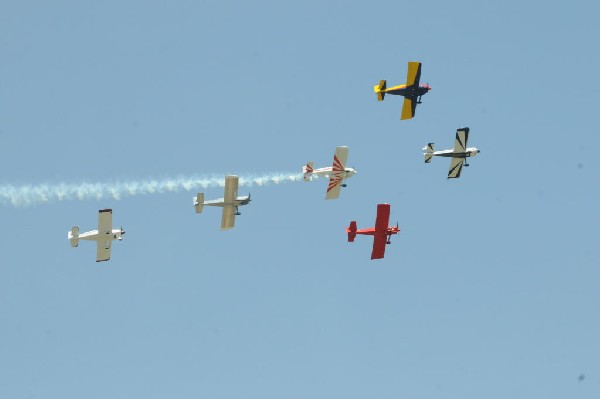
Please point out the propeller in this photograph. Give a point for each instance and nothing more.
(122, 231)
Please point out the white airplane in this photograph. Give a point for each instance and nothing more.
(230, 202)
(103, 236)
(459, 154)
(337, 174)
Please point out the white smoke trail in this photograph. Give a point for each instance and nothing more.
(27, 195)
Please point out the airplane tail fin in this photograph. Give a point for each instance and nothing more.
(380, 90)
(351, 230)
(74, 236)
(307, 170)
(199, 202)
(429, 150)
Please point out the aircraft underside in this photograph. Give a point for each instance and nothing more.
(453, 155)
(408, 92)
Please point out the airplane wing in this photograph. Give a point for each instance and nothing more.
(381, 225)
(228, 217)
(231, 191)
(103, 250)
(462, 137)
(105, 221)
(408, 108)
(379, 243)
(456, 166)
(383, 218)
(334, 188)
(414, 73)
(104, 228)
(340, 158)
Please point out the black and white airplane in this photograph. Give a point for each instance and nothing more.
(459, 153)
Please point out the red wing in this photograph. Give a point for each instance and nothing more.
(383, 218)
(379, 242)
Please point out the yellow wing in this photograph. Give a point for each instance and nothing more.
(414, 73)
(408, 110)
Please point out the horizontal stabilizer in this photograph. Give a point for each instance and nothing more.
(199, 202)
(307, 170)
(429, 150)
(351, 230)
(74, 236)
(380, 90)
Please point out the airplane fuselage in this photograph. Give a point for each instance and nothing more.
(470, 152)
(244, 200)
(93, 235)
(329, 173)
(371, 231)
(413, 91)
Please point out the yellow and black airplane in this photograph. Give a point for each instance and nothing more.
(411, 91)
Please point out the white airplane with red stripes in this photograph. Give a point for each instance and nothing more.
(337, 173)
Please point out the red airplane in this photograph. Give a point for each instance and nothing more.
(381, 232)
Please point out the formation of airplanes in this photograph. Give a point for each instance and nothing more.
(337, 174)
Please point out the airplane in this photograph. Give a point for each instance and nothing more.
(230, 202)
(382, 233)
(412, 90)
(103, 236)
(337, 174)
(459, 154)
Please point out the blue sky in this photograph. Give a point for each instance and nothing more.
(490, 289)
